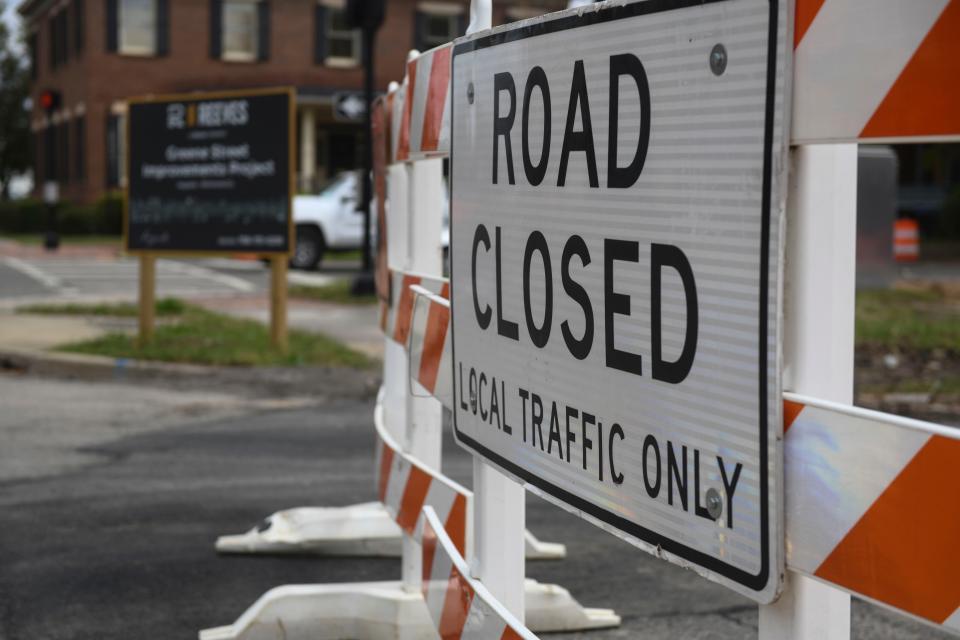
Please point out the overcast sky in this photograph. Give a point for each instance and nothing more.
(13, 20)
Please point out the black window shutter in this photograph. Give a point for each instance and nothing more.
(80, 144)
(64, 36)
(320, 34)
(163, 27)
(52, 31)
(78, 25)
(216, 29)
(419, 27)
(64, 151)
(113, 25)
(113, 151)
(263, 24)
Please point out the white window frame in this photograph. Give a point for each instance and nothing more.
(135, 50)
(240, 56)
(341, 62)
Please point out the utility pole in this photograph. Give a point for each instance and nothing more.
(366, 15)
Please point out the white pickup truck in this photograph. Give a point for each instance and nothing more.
(330, 221)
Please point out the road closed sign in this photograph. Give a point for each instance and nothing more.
(616, 229)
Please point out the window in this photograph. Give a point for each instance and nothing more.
(138, 27)
(241, 30)
(437, 24)
(134, 27)
(343, 43)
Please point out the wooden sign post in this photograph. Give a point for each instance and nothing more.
(278, 302)
(148, 288)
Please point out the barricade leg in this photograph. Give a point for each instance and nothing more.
(818, 346)
(498, 524)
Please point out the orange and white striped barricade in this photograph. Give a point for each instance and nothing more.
(906, 240)
(459, 605)
(876, 70)
(871, 508)
(862, 71)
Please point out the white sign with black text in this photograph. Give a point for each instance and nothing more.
(616, 232)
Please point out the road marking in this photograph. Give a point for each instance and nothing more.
(310, 279)
(233, 282)
(27, 269)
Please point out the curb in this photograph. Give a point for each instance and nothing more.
(36, 361)
(320, 382)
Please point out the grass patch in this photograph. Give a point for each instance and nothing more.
(205, 337)
(908, 319)
(338, 292)
(165, 307)
(36, 239)
(354, 255)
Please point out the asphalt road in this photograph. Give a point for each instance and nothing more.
(109, 277)
(108, 527)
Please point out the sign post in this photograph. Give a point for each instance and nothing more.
(278, 302)
(211, 174)
(616, 239)
(818, 345)
(147, 297)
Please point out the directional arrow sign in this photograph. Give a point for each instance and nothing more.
(349, 106)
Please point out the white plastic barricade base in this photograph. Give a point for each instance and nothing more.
(375, 610)
(358, 530)
(368, 610)
(550, 607)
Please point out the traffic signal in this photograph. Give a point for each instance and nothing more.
(49, 100)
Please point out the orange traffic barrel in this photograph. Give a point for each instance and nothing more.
(906, 240)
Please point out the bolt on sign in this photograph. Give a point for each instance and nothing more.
(211, 172)
(617, 185)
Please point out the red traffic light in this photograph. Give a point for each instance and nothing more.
(49, 100)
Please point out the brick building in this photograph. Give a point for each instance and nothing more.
(91, 55)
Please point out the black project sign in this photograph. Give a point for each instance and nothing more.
(210, 173)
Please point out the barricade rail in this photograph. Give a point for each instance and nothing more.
(460, 606)
(405, 486)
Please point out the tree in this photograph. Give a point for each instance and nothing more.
(14, 117)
